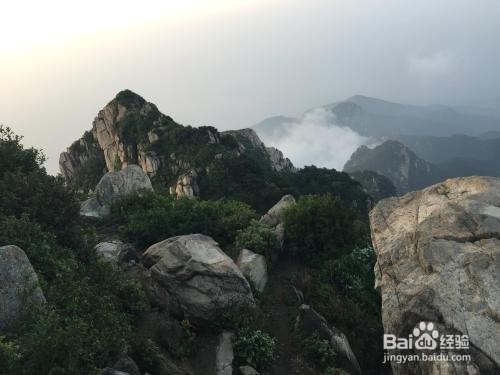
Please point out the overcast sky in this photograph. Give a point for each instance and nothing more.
(231, 63)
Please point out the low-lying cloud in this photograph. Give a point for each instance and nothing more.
(316, 139)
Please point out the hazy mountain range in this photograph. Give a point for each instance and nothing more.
(434, 142)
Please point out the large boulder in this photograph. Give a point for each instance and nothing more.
(309, 322)
(438, 261)
(254, 268)
(200, 280)
(113, 186)
(18, 284)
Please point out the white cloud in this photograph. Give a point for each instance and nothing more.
(316, 139)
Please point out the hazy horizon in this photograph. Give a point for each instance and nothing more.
(231, 64)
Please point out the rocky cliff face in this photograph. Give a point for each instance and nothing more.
(438, 261)
(398, 163)
(130, 130)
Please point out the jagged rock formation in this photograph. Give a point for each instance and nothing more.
(438, 260)
(398, 163)
(310, 322)
(254, 267)
(274, 217)
(200, 280)
(18, 284)
(130, 130)
(113, 186)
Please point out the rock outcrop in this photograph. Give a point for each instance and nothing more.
(186, 185)
(438, 260)
(309, 322)
(200, 280)
(113, 186)
(254, 267)
(274, 217)
(18, 284)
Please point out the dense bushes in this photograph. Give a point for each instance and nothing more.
(255, 348)
(91, 307)
(154, 217)
(259, 238)
(323, 227)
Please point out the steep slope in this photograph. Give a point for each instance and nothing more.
(396, 162)
(130, 130)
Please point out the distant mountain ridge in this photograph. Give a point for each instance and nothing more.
(372, 117)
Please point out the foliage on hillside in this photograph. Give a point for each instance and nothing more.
(323, 227)
(153, 217)
(90, 306)
(332, 238)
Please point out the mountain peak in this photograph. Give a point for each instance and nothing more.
(128, 98)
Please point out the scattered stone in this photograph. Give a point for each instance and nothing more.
(253, 266)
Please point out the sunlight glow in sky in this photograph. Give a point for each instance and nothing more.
(26, 24)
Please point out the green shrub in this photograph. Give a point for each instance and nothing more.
(318, 351)
(153, 217)
(353, 274)
(26, 189)
(255, 348)
(9, 357)
(259, 238)
(323, 227)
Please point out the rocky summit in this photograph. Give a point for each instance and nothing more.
(438, 260)
(130, 130)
